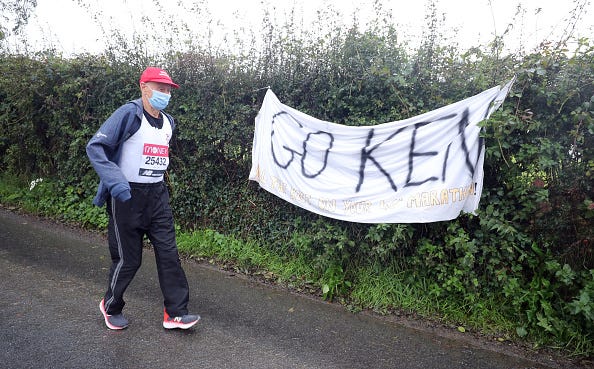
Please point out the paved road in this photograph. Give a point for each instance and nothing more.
(52, 279)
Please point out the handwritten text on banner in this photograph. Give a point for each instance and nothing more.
(423, 169)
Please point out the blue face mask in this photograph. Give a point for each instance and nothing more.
(159, 100)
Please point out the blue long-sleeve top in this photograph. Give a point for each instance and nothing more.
(105, 148)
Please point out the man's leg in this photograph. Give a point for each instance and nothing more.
(172, 279)
(125, 247)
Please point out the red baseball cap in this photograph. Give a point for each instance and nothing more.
(153, 74)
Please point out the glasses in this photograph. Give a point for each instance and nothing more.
(162, 87)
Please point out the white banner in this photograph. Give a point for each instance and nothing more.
(423, 169)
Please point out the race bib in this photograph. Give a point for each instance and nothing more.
(154, 161)
(145, 155)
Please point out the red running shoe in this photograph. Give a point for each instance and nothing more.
(181, 322)
(117, 321)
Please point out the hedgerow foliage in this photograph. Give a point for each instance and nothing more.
(529, 249)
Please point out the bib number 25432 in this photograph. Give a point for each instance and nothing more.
(155, 160)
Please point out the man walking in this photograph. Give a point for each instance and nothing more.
(130, 153)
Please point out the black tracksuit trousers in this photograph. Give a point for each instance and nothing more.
(147, 213)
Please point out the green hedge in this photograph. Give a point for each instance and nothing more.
(529, 249)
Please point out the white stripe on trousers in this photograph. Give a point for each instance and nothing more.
(116, 272)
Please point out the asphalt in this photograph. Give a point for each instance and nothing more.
(52, 278)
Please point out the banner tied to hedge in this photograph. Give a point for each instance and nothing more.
(423, 169)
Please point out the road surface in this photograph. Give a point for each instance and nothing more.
(52, 278)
